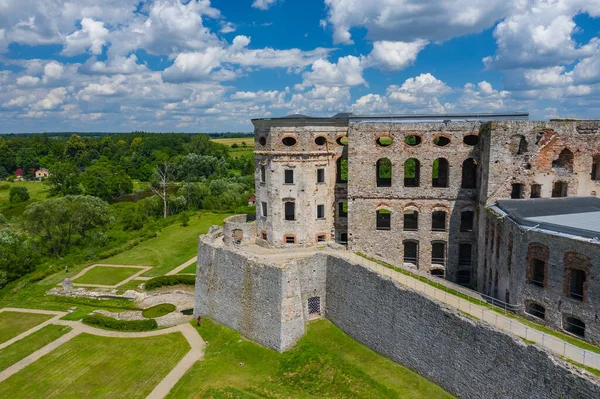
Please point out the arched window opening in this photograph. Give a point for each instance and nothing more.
(466, 221)
(576, 284)
(290, 210)
(537, 257)
(384, 141)
(342, 169)
(412, 172)
(384, 219)
(412, 140)
(440, 173)
(237, 235)
(438, 221)
(596, 167)
(465, 256)
(560, 189)
(535, 309)
(564, 160)
(517, 191)
(574, 326)
(411, 253)
(469, 173)
(411, 220)
(384, 172)
(471, 139)
(438, 253)
(518, 145)
(536, 191)
(441, 141)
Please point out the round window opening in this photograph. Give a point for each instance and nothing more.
(289, 141)
(471, 139)
(320, 140)
(412, 140)
(343, 140)
(441, 141)
(262, 141)
(384, 141)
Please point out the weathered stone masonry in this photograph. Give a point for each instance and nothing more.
(266, 302)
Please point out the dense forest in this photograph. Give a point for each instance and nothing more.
(77, 197)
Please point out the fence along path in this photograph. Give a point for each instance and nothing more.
(550, 342)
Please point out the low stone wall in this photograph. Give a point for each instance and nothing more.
(239, 230)
(466, 357)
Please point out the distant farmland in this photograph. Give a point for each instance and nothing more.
(240, 150)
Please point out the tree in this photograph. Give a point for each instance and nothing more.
(18, 257)
(63, 179)
(3, 221)
(27, 160)
(160, 183)
(56, 221)
(106, 181)
(18, 194)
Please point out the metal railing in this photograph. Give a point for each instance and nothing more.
(442, 293)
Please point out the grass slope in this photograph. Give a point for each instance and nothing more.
(92, 367)
(191, 269)
(325, 363)
(158, 310)
(174, 246)
(26, 346)
(15, 323)
(106, 275)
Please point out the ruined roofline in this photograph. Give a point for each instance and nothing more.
(345, 118)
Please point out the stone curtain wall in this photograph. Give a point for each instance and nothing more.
(264, 302)
(464, 356)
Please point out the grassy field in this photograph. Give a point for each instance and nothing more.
(92, 367)
(26, 346)
(326, 363)
(174, 246)
(106, 275)
(158, 310)
(239, 151)
(37, 191)
(191, 269)
(15, 323)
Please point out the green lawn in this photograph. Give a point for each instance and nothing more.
(98, 367)
(191, 269)
(174, 245)
(103, 275)
(15, 323)
(26, 346)
(158, 310)
(326, 363)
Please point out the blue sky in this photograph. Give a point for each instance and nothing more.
(211, 66)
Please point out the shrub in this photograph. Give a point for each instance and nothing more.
(101, 321)
(166, 281)
(18, 194)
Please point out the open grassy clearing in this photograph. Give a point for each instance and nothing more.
(174, 245)
(249, 140)
(15, 323)
(326, 363)
(37, 191)
(103, 275)
(92, 367)
(26, 346)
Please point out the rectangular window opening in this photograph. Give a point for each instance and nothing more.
(289, 239)
(289, 176)
(576, 283)
(320, 175)
(536, 191)
(264, 209)
(320, 211)
(343, 209)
